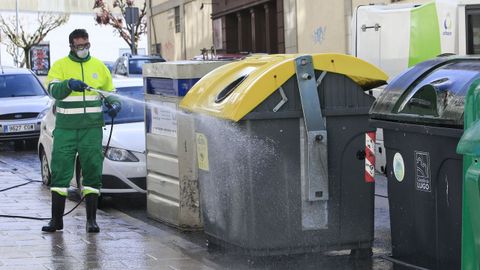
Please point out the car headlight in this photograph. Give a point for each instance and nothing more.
(42, 114)
(118, 154)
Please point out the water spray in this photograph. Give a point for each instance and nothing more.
(109, 106)
(103, 95)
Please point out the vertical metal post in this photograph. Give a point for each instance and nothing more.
(132, 35)
(131, 18)
(16, 32)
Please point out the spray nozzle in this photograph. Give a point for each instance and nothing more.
(107, 104)
(102, 96)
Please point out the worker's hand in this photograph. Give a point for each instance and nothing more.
(113, 110)
(77, 85)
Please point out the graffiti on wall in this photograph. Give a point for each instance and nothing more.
(319, 34)
(169, 51)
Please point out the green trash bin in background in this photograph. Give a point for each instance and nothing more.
(281, 153)
(469, 146)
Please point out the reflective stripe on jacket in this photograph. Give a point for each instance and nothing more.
(78, 109)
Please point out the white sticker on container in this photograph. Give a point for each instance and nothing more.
(164, 118)
(398, 167)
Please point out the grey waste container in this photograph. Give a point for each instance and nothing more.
(172, 189)
(277, 174)
(421, 113)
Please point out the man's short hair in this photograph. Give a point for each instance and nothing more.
(77, 33)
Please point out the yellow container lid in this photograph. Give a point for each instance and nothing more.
(234, 90)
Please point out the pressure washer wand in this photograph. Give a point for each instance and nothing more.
(103, 97)
(109, 106)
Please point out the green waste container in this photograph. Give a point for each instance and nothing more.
(469, 146)
(280, 150)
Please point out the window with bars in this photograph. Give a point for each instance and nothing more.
(472, 14)
(177, 19)
(156, 49)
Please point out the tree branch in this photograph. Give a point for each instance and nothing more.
(104, 16)
(46, 22)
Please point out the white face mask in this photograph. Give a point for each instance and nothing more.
(82, 53)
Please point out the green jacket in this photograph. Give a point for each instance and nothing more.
(75, 110)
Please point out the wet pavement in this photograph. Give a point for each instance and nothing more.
(128, 239)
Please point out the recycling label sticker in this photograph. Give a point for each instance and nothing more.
(202, 152)
(398, 167)
(423, 179)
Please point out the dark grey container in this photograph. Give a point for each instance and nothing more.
(252, 195)
(421, 113)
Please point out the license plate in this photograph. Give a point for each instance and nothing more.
(18, 128)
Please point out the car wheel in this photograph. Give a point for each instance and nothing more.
(45, 170)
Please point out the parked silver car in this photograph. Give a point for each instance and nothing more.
(131, 65)
(23, 104)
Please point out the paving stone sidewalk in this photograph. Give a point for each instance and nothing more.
(125, 242)
(119, 245)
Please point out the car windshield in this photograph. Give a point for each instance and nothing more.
(131, 111)
(20, 85)
(135, 65)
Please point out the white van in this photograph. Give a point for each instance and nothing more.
(395, 37)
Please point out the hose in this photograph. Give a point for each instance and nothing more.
(43, 218)
(395, 261)
(20, 185)
(108, 105)
(109, 137)
(34, 218)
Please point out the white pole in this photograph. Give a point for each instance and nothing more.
(16, 29)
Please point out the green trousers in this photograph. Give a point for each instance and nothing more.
(66, 144)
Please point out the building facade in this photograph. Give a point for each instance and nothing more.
(248, 26)
(180, 29)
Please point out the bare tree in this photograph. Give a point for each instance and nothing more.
(105, 16)
(25, 40)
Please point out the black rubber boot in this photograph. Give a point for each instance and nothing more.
(58, 206)
(92, 203)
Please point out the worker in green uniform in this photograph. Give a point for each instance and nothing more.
(78, 126)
